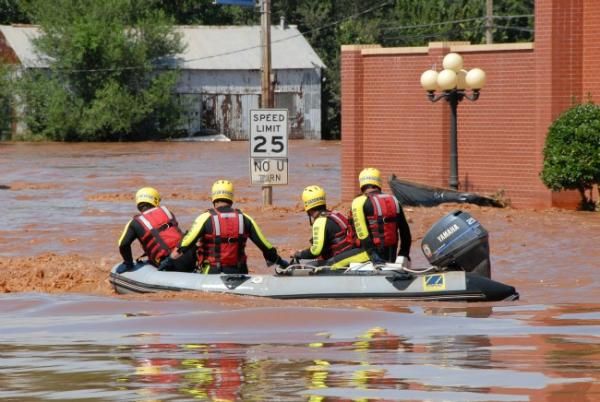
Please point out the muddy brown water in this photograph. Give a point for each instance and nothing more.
(65, 335)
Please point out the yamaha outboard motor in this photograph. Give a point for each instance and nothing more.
(458, 241)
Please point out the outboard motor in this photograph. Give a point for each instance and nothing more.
(458, 241)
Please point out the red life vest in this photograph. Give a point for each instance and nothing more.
(161, 233)
(344, 239)
(383, 224)
(225, 246)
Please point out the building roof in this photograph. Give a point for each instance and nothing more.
(19, 39)
(238, 48)
(207, 47)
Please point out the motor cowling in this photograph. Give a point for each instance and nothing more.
(458, 241)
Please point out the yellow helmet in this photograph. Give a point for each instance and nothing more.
(148, 195)
(313, 196)
(369, 176)
(222, 190)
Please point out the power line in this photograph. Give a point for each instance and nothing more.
(508, 17)
(449, 33)
(327, 26)
(434, 24)
(229, 53)
(514, 28)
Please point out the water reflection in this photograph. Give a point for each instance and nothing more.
(376, 365)
(90, 348)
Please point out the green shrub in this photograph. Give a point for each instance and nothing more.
(111, 71)
(572, 152)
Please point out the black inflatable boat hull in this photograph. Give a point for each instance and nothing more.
(416, 194)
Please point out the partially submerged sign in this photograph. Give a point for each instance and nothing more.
(268, 146)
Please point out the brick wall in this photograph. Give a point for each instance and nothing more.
(388, 123)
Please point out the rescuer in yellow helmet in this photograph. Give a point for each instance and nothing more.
(379, 221)
(333, 241)
(221, 233)
(156, 229)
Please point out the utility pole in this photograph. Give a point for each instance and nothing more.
(266, 90)
(489, 21)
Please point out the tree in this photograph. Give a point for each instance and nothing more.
(5, 93)
(111, 71)
(205, 12)
(572, 152)
(11, 11)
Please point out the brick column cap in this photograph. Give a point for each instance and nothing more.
(354, 48)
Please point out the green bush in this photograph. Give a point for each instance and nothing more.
(572, 152)
(112, 72)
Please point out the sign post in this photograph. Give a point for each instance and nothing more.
(269, 148)
(266, 101)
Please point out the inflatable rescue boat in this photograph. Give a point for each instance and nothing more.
(456, 246)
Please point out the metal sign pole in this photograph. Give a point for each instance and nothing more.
(267, 94)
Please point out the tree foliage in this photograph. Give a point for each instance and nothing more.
(5, 94)
(12, 11)
(327, 24)
(108, 77)
(572, 152)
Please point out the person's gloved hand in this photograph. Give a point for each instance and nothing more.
(281, 266)
(280, 271)
(165, 264)
(377, 260)
(404, 261)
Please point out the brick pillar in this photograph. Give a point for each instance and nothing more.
(543, 82)
(559, 64)
(351, 74)
(591, 50)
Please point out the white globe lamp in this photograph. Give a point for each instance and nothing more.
(453, 61)
(429, 80)
(446, 79)
(475, 78)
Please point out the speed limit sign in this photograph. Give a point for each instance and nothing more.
(268, 133)
(269, 146)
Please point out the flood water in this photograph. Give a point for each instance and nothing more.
(65, 335)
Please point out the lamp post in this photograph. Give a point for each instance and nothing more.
(453, 84)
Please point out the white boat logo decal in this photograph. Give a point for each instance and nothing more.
(447, 233)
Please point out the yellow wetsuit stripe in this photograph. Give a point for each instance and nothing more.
(358, 217)
(259, 233)
(363, 256)
(192, 234)
(318, 236)
(124, 232)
